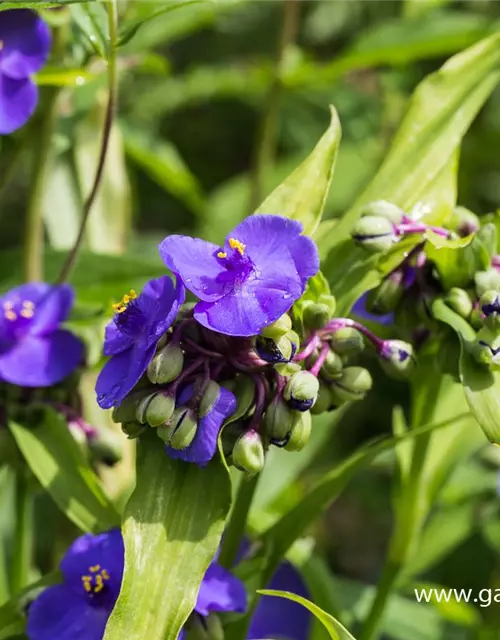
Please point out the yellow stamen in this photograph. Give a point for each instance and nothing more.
(27, 313)
(96, 582)
(28, 304)
(95, 568)
(10, 315)
(222, 254)
(236, 244)
(121, 306)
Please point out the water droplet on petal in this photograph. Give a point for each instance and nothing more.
(287, 296)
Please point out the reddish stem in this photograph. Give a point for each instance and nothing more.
(316, 368)
(308, 349)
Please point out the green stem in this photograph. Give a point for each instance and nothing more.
(112, 10)
(23, 542)
(266, 138)
(235, 528)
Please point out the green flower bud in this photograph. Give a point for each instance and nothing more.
(383, 209)
(106, 447)
(324, 400)
(476, 318)
(301, 391)
(159, 409)
(486, 349)
(374, 233)
(486, 281)
(463, 221)
(210, 629)
(347, 341)
(278, 328)
(459, 300)
(248, 453)
(166, 365)
(489, 304)
(127, 410)
(353, 384)
(279, 421)
(316, 316)
(332, 366)
(185, 427)
(165, 432)
(386, 297)
(210, 397)
(133, 429)
(397, 357)
(329, 300)
(287, 369)
(294, 338)
(299, 436)
(273, 351)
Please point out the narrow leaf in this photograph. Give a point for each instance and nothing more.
(172, 527)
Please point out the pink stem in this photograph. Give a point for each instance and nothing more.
(316, 368)
(338, 323)
(308, 350)
(419, 227)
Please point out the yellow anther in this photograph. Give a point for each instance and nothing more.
(28, 304)
(105, 574)
(27, 313)
(121, 306)
(10, 315)
(222, 254)
(236, 244)
(95, 568)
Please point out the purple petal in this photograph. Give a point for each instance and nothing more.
(114, 340)
(359, 309)
(306, 257)
(18, 100)
(280, 618)
(61, 613)
(195, 262)
(105, 549)
(51, 309)
(220, 591)
(26, 42)
(160, 302)
(204, 445)
(41, 361)
(121, 373)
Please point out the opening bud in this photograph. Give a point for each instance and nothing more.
(279, 421)
(299, 435)
(166, 364)
(159, 409)
(486, 349)
(248, 453)
(347, 341)
(383, 209)
(490, 307)
(316, 315)
(374, 233)
(106, 447)
(386, 297)
(487, 281)
(184, 424)
(274, 351)
(459, 300)
(278, 328)
(301, 391)
(353, 384)
(397, 357)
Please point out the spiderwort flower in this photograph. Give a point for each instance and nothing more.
(204, 445)
(24, 48)
(131, 337)
(34, 350)
(249, 283)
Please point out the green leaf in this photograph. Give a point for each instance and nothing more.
(334, 628)
(442, 312)
(172, 527)
(57, 461)
(91, 20)
(303, 194)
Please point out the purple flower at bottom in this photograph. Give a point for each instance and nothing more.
(204, 445)
(251, 281)
(25, 45)
(131, 337)
(34, 351)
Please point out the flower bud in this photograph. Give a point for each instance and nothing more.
(397, 357)
(274, 351)
(463, 221)
(301, 391)
(210, 397)
(208, 628)
(486, 349)
(347, 341)
(329, 300)
(278, 328)
(133, 429)
(486, 281)
(316, 315)
(490, 306)
(106, 447)
(185, 426)
(383, 209)
(127, 410)
(300, 433)
(166, 365)
(374, 233)
(332, 366)
(248, 453)
(476, 318)
(278, 421)
(324, 400)
(352, 385)
(459, 300)
(159, 409)
(386, 297)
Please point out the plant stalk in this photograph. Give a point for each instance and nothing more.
(23, 542)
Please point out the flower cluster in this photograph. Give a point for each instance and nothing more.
(253, 354)
(25, 42)
(92, 571)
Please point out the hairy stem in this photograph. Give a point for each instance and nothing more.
(106, 135)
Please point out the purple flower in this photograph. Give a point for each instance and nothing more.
(34, 351)
(255, 278)
(359, 309)
(204, 445)
(80, 607)
(24, 48)
(132, 336)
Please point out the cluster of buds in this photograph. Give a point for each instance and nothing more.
(277, 380)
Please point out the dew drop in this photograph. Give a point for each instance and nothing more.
(287, 296)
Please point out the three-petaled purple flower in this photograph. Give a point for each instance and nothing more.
(131, 337)
(204, 445)
(92, 573)
(255, 278)
(25, 42)
(34, 350)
